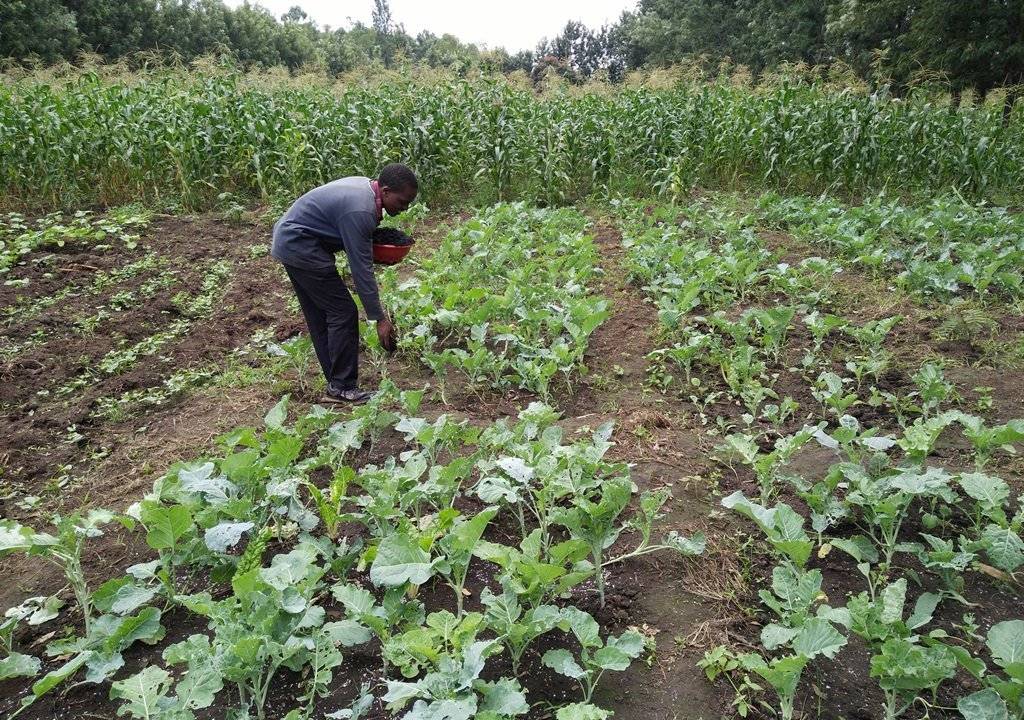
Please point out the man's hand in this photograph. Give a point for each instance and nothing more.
(386, 334)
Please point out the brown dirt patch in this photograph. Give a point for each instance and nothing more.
(36, 419)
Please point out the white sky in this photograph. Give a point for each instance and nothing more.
(514, 25)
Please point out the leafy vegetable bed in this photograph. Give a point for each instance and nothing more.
(923, 530)
(419, 520)
(855, 485)
(506, 299)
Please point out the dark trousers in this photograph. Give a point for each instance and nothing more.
(333, 322)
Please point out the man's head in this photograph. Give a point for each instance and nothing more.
(398, 188)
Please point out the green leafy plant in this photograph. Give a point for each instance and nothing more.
(457, 548)
(395, 610)
(63, 549)
(596, 523)
(297, 353)
(782, 526)
(421, 647)
(932, 387)
(883, 503)
(329, 503)
(903, 662)
(766, 466)
(830, 391)
(99, 651)
(534, 576)
(1004, 696)
(596, 657)
(517, 628)
(533, 321)
(986, 440)
(530, 471)
(36, 610)
(805, 629)
(269, 621)
(454, 689)
(168, 530)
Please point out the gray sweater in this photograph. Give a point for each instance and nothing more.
(337, 216)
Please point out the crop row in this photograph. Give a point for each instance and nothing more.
(864, 506)
(940, 250)
(892, 512)
(506, 298)
(192, 139)
(421, 520)
(19, 238)
(193, 306)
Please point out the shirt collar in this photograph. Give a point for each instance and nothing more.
(378, 198)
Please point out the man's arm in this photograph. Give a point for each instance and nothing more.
(355, 229)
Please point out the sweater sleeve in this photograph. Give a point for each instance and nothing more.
(354, 229)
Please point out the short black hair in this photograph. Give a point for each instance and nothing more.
(398, 177)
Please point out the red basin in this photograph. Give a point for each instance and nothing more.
(389, 254)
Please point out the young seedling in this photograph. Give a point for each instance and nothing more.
(453, 688)
(744, 447)
(783, 527)
(883, 503)
(517, 628)
(269, 621)
(394, 611)
(595, 522)
(987, 440)
(37, 610)
(830, 391)
(457, 548)
(329, 503)
(63, 549)
(532, 577)
(168, 531)
(642, 522)
(901, 663)
(1005, 694)
(774, 324)
(596, 656)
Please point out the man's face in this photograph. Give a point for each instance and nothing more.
(396, 201)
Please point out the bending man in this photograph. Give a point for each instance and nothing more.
(340, 215)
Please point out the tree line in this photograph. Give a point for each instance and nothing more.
(49, 31)
(967, 45)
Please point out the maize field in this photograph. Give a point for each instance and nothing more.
(192, 138)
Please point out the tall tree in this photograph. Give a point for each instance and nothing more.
(113, 29)
(251, 32)
(295, 14)
(193, 27)
(384, 25)
(581, 51)
(444, 51)
(1010, 64)
(664, 32)
(339, 53)
(296, 38)
(42, 29)
(973, 44)
(777, 31)
(506, 63)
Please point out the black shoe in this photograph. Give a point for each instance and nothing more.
(352, 396)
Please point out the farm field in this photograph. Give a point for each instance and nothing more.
(705, 454)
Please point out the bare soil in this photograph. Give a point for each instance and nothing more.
(38, 422)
